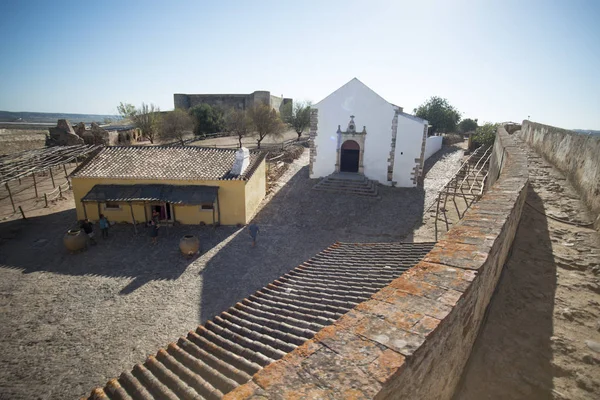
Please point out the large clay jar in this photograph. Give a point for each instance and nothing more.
(189, 245)
(74, 240)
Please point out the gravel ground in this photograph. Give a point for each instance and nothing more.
(71, 322)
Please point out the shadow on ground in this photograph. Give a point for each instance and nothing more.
(35, 245)
(511, 358)
(295, 225)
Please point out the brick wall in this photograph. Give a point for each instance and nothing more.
(575, 154)
(413, 338)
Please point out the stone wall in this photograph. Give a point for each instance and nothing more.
(575, 154)
(414, 337)
(227, 101)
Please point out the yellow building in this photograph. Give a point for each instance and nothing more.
(184, 184)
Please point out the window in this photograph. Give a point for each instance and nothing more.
(112, 206)
(206, 207)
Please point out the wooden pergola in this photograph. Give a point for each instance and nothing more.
(27, 163)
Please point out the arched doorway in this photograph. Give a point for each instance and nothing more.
(349, 156)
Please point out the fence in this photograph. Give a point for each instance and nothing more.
(57, 192)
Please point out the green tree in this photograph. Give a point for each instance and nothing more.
(467, 125)
(175, 125)
(147, 119)
(442, 116)
(238, 123)
(484, 135)
(299, 117)
(207, 119)
(266, 122)
(126, 110)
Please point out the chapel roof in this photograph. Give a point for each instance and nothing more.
(166, 162)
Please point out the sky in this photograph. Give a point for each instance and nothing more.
(493, 60)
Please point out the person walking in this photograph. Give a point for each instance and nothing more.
(253, 230)
(104, 225)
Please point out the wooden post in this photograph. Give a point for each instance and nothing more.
(52, 177)
(145, 213)
(11, 199)
(84, 209)
(46, 199)
(98, 203)
(60, 191)
(65, 169)
(22, 213)
(35, 186)
(213, 213)
(133, 218)
(218, 208)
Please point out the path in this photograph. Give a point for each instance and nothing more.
(541, 339)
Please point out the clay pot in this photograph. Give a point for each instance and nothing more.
(189, 245)
(74, 240)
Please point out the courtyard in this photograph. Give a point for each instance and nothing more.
(73, 321)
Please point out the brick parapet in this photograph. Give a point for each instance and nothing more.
(412, 339)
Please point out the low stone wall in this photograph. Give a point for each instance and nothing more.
(575, 154)
(413, 338)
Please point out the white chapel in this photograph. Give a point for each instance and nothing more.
(356, 131)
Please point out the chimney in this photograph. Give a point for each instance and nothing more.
(242, 160)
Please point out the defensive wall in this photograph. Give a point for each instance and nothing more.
(413, 338)
(576, 155)
(237, 101)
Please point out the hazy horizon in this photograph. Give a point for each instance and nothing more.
(495, 61)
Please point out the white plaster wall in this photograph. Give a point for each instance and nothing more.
(408, 148)
(370, 110)
(432, 145)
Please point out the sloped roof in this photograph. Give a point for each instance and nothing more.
(166, 162)
(225, 352)
(177, 194)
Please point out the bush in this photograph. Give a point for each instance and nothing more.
(484, 135)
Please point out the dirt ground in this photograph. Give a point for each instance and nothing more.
(541, 339)
(70, 322)
(249, 142)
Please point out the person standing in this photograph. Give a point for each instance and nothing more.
(88, 228)
(104, 225)
(253, 230)
(154, 231)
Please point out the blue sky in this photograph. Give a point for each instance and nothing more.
(493, 60)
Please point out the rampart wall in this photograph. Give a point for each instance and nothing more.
(576, 155)
(227, 101)
(414, 337)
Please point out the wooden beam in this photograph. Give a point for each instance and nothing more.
(65, 169)
(35, 185)
(52, 177)
(11, 198)
(133, 218)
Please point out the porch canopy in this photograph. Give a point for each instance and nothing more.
(175, 194)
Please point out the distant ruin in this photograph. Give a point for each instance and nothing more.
(65, 134)
(236, 101)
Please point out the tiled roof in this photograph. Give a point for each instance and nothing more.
(225, 352)
(166, 162)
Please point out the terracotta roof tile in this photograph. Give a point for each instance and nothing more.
(169, 163)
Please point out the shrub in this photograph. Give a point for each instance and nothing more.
(484, 135)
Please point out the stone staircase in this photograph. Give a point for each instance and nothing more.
(226, 351)
(347, 183)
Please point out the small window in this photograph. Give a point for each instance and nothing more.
(112, 206)
(206, 207)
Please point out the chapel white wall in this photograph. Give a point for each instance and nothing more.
(409, 141)
(369, 110)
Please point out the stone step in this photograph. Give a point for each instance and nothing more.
(356, 185)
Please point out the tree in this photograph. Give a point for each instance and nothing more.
(441, 115)
(266, 122)
(238, 122)
(126, 110)
(467, 125)
(147, 119)
(176, 124)
(299, 116)
(207, 119)
(485, 135)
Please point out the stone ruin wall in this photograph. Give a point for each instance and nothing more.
(575, 154)
(413, 338)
